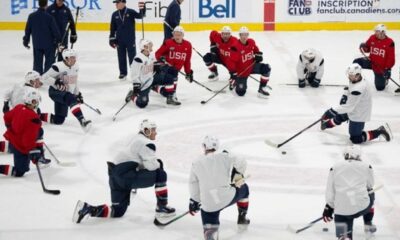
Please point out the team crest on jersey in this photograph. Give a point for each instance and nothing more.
(172, 48)
(116, 17)
(127, 14)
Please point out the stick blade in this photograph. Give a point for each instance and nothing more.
(270, 143)
(203, 102)
(158, 223)
(53, 192)
(291, 229)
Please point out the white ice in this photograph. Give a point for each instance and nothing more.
(285, 189)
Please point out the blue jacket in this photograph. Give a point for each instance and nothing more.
(43, 29)
(62, 15)
(172, 17)
(122, 25)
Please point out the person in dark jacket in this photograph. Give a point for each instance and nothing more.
(122, 33)
(172, 18)
(62, 15)
(45, 37)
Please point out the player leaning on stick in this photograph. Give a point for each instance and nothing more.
(355, 107)
(347, 194)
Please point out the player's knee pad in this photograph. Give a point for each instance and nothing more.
(207, 58)
(142, 101)
(57, 119)
(265, 69)
(18, 173)
(70, 99)
(356, 139)
(240, 89)
(173, 72)
(119, 210)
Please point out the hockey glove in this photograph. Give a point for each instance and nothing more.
(136, 88)
(363, 47)
(26, 44)
(59, 84)
(387, 73)
(238, 180)
(258, 57)
(113, 42)
(6, 107)
(315, 82)
(302, 83)
(214, 49)
(161, 164)
(329, 114)
(142, 8)
(129, 96)
(163, 59)
(79, 98)
(189, 76)
(343, 100)
(194, 207)
(328, 213)
(34, 155)
(73, 38)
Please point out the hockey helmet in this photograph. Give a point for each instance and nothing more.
(226, 29)
(380, 28)
(145, 44)
(309, 53)
(353, 69)
(147, 124)
(210, 143)
(67, 53)
(352, 152)
(243, 30)
(32, 97)
(179, 29)
(31, 76)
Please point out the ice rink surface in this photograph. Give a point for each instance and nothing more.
(285, 189)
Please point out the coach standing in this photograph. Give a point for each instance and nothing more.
(122, 33)
(62, 15)
(172, 18)
(45, 37)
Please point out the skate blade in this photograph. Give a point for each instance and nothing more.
(242, 227)
(79, 206)
(164, 216)
(87, 128)
(262, 96)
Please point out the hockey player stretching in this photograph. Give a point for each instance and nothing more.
(146, 76)
(216, 181)
(347, 194)
(222, 51)
(356, 106)
(250, 62)
(310, 67)
(64, 90)
(135, 166)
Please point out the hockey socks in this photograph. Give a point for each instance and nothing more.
(76, 110)
(102, 211)
(161, 193)
(6, 170)
(3, 146)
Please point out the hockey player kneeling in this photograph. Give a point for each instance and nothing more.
(356, 106)
(216, 182)
(135, 166)
(347, 194)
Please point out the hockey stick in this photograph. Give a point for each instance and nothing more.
(268, 142)
(54, 192)
(94, 109)
(291, 229)
(76, 23)
(323, 85)
(222, 89)
(143, 15)
(379, 66)
(64, 164)
(160, 224)
(123, 106)
(198, 83)
(270, 88)
(62, 40)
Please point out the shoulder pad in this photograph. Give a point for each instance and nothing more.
(139, 60)
(36, 121)
(55, 68)
(355, 93)
(151, 146)
(322, 62)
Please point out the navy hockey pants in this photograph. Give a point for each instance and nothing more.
(212, 218)
(124, 177)
(38, 55)
(62, 100)
(124, 49)
(380, 81)
(21, 162)
(241, 82)
(344, 224)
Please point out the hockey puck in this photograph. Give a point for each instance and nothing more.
(203, 102)
(283, 152)
(325, 229)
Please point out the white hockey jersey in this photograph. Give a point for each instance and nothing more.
(347, 188)
(210, 179)
(142, 69)
(68, 75)
(138, 149)
(317, 65)
(359, 102)
(15, 95)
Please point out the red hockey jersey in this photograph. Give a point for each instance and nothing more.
(382, 53)
(177, 54)
(246, 53)
(227, 50)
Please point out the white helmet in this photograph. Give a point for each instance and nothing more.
(226, 29)
(381, 28)
(32, 95)
(309, 53)
(68, 53)
(179, 29)
(353, 69)
(243, 30)
(147, 124)
(353, 152)
(145, 44)
(31, 76)
(210, 143)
